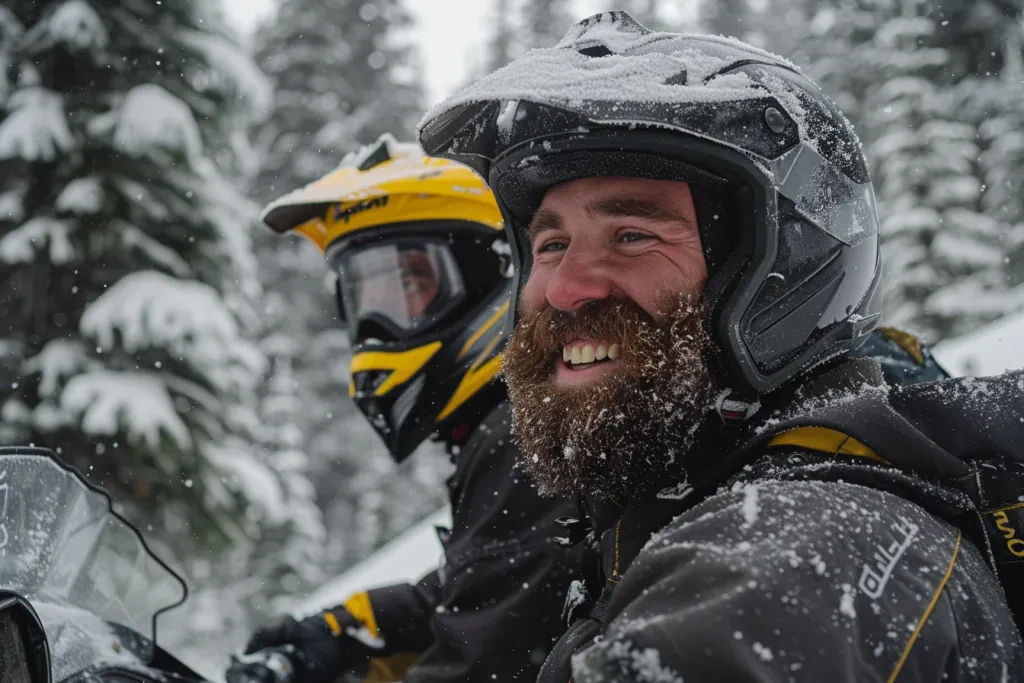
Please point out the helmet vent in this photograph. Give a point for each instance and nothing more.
(377, 156)
(596, 51)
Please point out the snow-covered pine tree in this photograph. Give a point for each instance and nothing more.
(827, 39)
(342, 77)
(943, 255)
(302, 332)
(127, 269)
(724, 17)
(994, 105)
(980, 35)
(236, 591)
(502, 47)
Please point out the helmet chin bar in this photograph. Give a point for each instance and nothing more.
(744, 360)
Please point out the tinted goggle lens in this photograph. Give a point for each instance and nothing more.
(397, 290)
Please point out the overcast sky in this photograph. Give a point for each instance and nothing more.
(450, 42)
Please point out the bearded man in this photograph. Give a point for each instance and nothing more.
(697, 245)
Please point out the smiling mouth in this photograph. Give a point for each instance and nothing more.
(579, 355)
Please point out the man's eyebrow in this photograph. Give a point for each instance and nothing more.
(543, 220)
(633, 207)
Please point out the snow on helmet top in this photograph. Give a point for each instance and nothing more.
(787, 214)
(423, 283)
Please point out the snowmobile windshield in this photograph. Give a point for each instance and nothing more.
(398, 289)
(69, 553)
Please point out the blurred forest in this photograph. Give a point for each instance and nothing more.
(161, 340)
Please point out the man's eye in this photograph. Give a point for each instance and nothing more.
(634, 237)
(551, 246)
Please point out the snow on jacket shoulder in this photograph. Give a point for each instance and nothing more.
(856, 535)
(805, 581)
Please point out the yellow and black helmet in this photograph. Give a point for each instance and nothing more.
(423, 281)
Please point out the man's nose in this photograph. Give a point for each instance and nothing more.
(580, 278)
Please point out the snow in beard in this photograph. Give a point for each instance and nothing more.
(611, 436)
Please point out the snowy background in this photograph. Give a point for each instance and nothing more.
(154, 334)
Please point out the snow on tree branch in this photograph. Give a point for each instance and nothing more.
(161, 255)
(22, 244)
(58, 360)
(11, 207)
(137, 402)
(151, 118)
(76, 24)
(82, 196)
(36, 128)
(231, 62)
(258, 484)
(150, 309)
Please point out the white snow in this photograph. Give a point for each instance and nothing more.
(160, 254)
(257, 483)
(35, 128)
(363, 635)
(139, 402)
(81, 196)
(750, 506)
(991, 350)
(148, 308)
(562, 76)
(407, 558)
(959, 249)
(15, 411)
(21, 244)
(953, 190)
(974, 295)
(763, 653)
(10, 206)
(150, 118)
(76, 24)
(236, 67)
(642, 665)
(846, 607)
(79, 639)
(60, 358)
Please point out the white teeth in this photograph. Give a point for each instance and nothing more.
(588, 354)
(582, 355)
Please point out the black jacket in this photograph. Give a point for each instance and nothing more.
(839, 542)
(493, 610)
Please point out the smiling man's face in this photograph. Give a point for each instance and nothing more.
(605, 369)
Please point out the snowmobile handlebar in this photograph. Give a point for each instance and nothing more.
(273, 665)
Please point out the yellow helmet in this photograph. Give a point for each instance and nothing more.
(423, 285)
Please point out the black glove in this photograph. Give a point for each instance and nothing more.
(323, 648)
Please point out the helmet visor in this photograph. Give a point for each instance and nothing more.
(397, 290)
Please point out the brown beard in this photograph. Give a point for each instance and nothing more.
(610, 437)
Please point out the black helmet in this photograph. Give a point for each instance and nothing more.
(786, 209)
